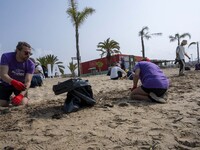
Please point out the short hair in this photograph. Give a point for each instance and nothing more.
(21, 44)
(145, 59)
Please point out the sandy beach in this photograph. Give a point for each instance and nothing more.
(115, 122)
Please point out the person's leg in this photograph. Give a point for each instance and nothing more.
(158, 95)
(25, 98)
(5, 93)
(182, 67)
(25, 101)
(139, 94)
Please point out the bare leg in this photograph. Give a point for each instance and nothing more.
(25, 101)
(139, 94)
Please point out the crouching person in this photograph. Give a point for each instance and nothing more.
(16, 70)
(154, 84)
(38, 75)
(116, 72)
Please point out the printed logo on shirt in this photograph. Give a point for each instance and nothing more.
(18, 72)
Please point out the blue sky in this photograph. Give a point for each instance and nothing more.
(46, 26)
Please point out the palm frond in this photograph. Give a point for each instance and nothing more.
(192, 43)
(185, 35)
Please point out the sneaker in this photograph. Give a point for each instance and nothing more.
(161, 99)
(181, 74)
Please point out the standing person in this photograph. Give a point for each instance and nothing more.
(154, 84)
(116, 72)
(16, 74)
(180, 55)
(122, 64)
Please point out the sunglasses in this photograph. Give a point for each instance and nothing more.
(28, 53)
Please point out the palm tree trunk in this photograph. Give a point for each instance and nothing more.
(198, 52)
(77, 50)
(178, 41)
(109, 59)
(143, 51)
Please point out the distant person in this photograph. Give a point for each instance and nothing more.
(38, 75)
(154, 84)
(16, 75)
(38, 68)
(45, 70)
(116, 72)
(180, 56)
(122, 64)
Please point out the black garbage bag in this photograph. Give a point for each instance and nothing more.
(79, 94)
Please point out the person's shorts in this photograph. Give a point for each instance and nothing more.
(6, 92)
(115, 78)
(159, 92)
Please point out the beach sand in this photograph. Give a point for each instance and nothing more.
(115, 122)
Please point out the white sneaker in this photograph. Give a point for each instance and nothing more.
(161, 99)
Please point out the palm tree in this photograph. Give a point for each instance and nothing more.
(72, 67)
(51, 59)
(144, 33)
(77, 19)
(178, 37)
(99, 65)
(195, 43)
(108, 48)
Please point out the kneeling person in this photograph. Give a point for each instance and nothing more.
(116, 72)
(16, 74)
(154, 83)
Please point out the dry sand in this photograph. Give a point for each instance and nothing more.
(114, 122)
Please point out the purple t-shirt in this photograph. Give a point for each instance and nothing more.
(151, 75)
(17, 70)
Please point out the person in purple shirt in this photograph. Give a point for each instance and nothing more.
(154, 84)
(16, 70)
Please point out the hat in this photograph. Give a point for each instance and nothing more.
(184, 42)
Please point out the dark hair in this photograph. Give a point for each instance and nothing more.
(145, 59)
(21, 44)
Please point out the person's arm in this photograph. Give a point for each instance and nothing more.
(136, 78)
(27, 83)
(6, 78)
(122, 71)
(28, 79)
(4, 74)
(187, 55)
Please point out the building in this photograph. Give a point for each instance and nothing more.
(91, 67)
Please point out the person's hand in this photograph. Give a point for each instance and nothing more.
(18, 85)
(17, 100)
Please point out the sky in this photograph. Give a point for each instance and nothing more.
(46, 26)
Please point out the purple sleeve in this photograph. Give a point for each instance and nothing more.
(4, 60)
(31, 67)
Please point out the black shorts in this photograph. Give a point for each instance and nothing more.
(115, 78)
(6, 92)
(159, 92)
